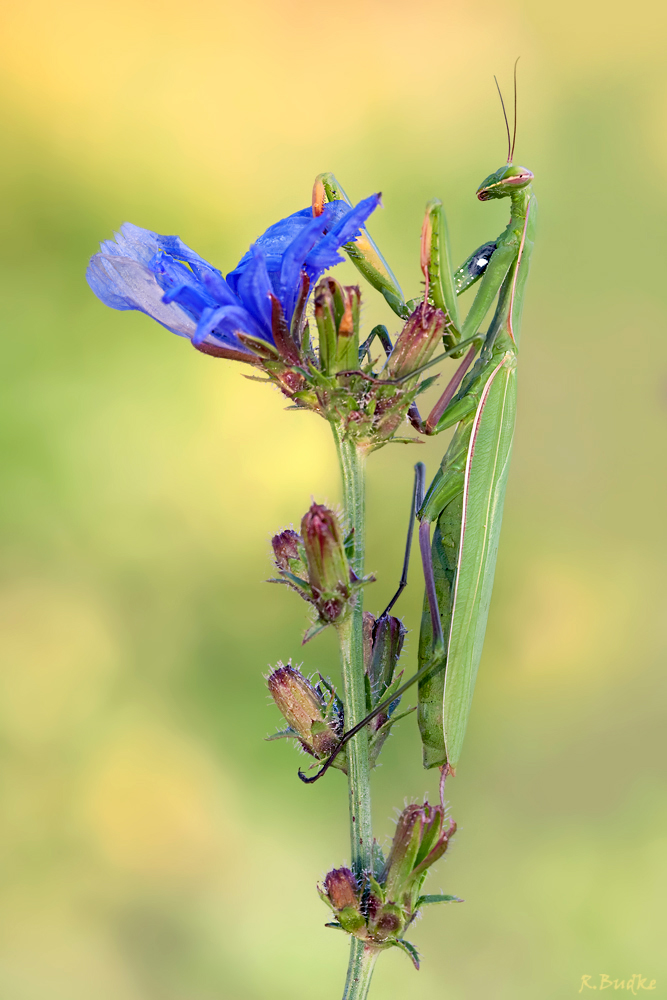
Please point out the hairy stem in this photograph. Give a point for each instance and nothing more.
(360, 970)
(350, 632)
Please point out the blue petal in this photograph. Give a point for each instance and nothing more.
(133, 242)
(347, 228)
(224, 323)
(126, 283)
(181, 285)
(273, 243)
(175, 247)
(218, 288)
(254, 288)
(189, 299)
(294, 257)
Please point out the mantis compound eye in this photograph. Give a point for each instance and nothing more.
(500, 184)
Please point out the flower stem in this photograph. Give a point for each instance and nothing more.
(360, 970)
(350, 632)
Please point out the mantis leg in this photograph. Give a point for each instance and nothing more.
(415, 505)
(380, 331)
(364, 252)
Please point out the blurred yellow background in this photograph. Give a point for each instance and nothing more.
(152, 845)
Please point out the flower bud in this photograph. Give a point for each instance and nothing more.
(342, 888)
(417, 341)
(303, 708)
(341, 892)
(392, 900)
(337, 318)
(328, 568)
(286, 549)
(388, 635)
(421, 838)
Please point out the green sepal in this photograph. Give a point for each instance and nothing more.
(377, 860)
(260, 347)
(437, 898)
(282, 735)
(409, 950)
(335, 925)
(296, 581)
(375, 887)
(351, 920)
(326, 329)
(386, 726)
(380, 736)
(426, 384)
(314, 630)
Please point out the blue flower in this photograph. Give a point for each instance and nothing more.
(162, 277)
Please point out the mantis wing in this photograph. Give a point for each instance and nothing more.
(484, 486)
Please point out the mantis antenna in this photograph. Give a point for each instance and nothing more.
(514, 135)
(507, 124)
(511, 142)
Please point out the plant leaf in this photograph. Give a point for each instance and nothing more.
(409, 950)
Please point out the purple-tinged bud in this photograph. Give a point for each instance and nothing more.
(342, 888)
(417, 341)
(303, 709)
(328, 568)
(389, 922)
(421, 837)
(388, 636)
(367, 634)
(286, 548)
(341, 892)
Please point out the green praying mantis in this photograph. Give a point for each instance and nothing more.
(465, 499)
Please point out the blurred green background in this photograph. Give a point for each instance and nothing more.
(152, 845)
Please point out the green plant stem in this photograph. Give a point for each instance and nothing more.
(360, 970)
(350, 632)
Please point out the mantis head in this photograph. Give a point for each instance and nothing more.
(504, 182)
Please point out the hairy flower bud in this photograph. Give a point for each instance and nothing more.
(342, 888)
(421, 837)
(303, 708)
(328, 568)
(417, 341)
(286, 548)
(341, 892)
(387, 638)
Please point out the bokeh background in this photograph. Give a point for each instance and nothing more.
(152, 845)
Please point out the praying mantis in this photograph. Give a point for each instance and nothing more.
(465, 499)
